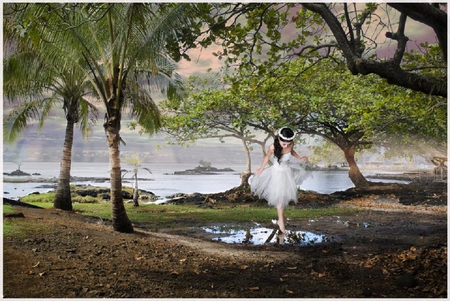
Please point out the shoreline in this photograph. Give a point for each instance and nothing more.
(405, 176)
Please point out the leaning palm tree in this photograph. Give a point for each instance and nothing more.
(35, 86)
(124, 47)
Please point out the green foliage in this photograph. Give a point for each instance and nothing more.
(260, 35)
(8, 209)
(208, 111)
(347, 110)
(36, 83)
(78, 195)
(48, 197)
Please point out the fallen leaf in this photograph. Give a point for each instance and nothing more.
(291, 268)
(36, 265)
(254, 288)
(42, 274)
(289, 291)
(243, 267)
(174, 273)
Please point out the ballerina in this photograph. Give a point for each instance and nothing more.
(278, 183)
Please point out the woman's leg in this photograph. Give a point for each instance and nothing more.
(280, 222)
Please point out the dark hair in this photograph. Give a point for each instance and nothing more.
(286, 132)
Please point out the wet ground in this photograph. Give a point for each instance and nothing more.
(389, 248)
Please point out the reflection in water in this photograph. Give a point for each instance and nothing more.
(261, 235)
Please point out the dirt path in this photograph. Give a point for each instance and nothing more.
(386, 251)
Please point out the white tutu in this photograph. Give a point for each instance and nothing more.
(278, 183)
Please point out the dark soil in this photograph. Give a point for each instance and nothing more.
(402, 253)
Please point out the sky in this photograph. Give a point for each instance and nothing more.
(210, 150)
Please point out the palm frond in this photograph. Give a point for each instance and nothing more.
(89, 115)
(147, 169)
(143, 108)
(18, 118)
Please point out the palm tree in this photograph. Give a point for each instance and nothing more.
(124, 47)
(136, 161)
(39, 85)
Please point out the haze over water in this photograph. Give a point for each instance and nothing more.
(162, 182)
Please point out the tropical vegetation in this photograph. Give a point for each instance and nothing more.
(121, 50)
(322, 68)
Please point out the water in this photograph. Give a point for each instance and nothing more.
(162, 182)
(260, 235)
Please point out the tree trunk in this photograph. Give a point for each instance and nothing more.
(248, 169)
(120, 220)
(63, 199)
(354, 173)
(135, 191)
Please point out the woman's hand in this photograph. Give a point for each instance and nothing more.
(258, 171)
(305, 159)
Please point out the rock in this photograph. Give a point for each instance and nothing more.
(18, 172)
(201, 170)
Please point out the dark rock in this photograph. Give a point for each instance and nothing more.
(201, 170)
(18, 172)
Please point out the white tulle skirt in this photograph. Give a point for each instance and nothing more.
(278, 184)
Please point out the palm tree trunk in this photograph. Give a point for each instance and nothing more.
(354, 173)
(63, 199)
(120, 220)
(136, 190)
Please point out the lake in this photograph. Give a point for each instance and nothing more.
(162, 182)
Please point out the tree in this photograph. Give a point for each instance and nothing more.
(124, 47)
(136, 161)
(280, 32)
(209, 111)
(35, 85)
(351, 112)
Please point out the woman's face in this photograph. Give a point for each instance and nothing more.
(284, 144)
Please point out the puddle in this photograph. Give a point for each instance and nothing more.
(261, 235)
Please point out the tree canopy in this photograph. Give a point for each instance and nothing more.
(316, 98)
(371, 38)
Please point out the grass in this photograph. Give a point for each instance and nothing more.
(19, 227)
(156, 216)
(171, 216)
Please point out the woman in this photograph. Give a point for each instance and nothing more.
(278, 183)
